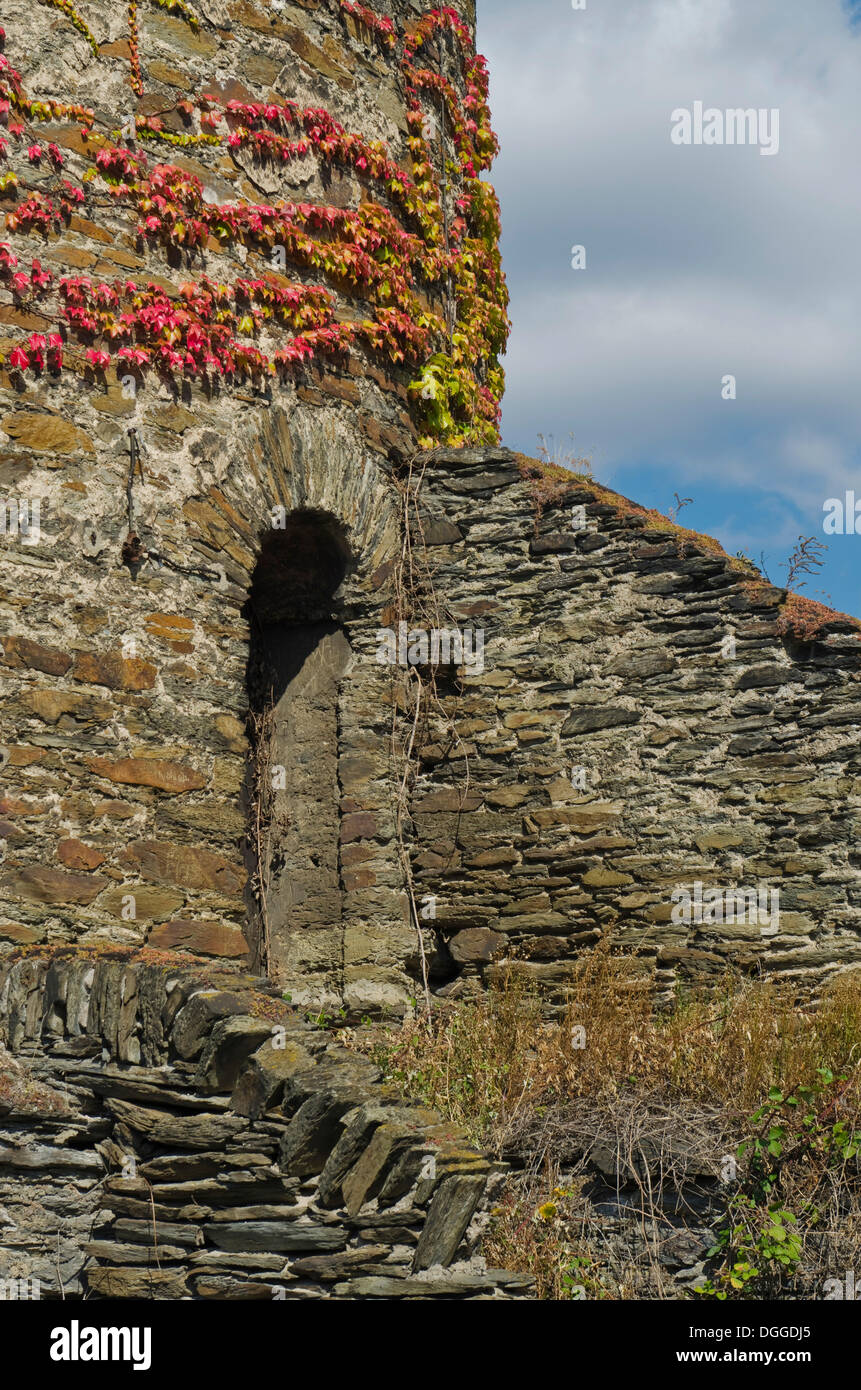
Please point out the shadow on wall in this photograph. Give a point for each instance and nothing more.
(298, 656)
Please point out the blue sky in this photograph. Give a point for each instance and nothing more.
(701, 261)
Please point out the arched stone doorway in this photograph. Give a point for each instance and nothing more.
(299, 655)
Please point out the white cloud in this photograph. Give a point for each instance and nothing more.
(701, 260)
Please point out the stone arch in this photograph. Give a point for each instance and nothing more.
(317, 528)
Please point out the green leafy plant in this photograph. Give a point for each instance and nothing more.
(580, 1277)
(761, 1240)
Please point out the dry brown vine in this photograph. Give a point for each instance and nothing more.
(416, 602)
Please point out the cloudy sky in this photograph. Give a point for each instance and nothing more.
(701, 261)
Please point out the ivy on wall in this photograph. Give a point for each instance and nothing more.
(424, 264)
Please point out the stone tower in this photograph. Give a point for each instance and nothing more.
(247, 264)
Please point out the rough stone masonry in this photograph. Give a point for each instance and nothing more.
(651, 716)
(247, 268)
(221, 266)
(191, 631)
(210, 452)
(174, 1131)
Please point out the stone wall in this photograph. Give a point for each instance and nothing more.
(225, 253)
(711, 725)
(173, 1130)
(125, 797)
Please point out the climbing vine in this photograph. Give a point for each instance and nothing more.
(425, 264)
(67, 8)
(380, 27)
(134, 50)
(421, 705)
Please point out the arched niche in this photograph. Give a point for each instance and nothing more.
(315, 533)
(299, 654)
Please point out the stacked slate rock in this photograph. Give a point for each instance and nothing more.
(189, 1135)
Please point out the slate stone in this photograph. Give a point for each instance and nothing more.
(109, 1281)
(199, 1131)
(330, 1268)
(447, 1286)
(227, 1049)
(349, 1148)
(167, 1233)
(591, 719)
(40, 1156)
(195, 1020)
(451, 1211)
(272, 1235)
(260, 1084)
(315, 1129)
(476, 944)
(227, 1289)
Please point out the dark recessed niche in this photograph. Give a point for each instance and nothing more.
(299, 653)
(299, 570)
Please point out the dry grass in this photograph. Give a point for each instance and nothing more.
(666, 1094)
(483, 1064)
(563, 455)
(806, 618)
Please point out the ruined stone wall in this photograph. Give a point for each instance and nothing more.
(256, 237)
(649, 714)
(238, 230)
(171, 1130)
